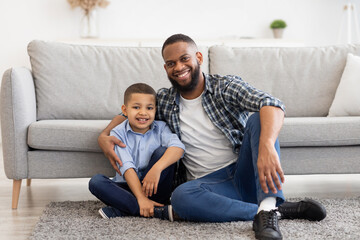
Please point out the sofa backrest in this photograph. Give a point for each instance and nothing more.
(88, 82)
(304, 78)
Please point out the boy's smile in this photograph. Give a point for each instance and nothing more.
(140, 111)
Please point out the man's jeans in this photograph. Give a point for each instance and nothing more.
(232, 193)
(119, 195)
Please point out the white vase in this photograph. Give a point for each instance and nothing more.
(278, 32)
(89, 27)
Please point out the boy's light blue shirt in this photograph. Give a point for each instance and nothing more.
(140, 147)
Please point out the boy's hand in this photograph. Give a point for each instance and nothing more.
(147, 207)
(107, 144)
(151, 181)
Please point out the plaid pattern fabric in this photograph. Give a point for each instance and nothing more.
(227, 100)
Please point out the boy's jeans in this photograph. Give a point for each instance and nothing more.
(231, 193)
(119, 195)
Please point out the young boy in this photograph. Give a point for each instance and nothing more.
(148, 161)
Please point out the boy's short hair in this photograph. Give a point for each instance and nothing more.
(138, 88)
(178, 38)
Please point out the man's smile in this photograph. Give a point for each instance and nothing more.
(183, 74)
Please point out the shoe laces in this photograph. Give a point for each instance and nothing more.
(269, 219)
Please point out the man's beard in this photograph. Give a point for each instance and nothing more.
(192, 85)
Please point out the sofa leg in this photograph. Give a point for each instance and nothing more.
(16, 193)
(28, 182)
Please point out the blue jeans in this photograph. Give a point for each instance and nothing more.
(232, 193)
(119, 195)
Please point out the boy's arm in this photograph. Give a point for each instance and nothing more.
(107, 142)
(151, 180)
(146, 205)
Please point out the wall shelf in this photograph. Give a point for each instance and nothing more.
(233, 42)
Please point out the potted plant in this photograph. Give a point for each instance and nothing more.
(278, 26)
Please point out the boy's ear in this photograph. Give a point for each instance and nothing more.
(123, 109)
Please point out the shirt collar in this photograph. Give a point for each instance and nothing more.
(208, 86)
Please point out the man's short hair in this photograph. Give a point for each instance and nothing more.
(138, 88)
(177, 38)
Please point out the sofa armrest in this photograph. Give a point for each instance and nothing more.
(17, 111)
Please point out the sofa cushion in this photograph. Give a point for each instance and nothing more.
(320, 160)
(81, 135)
(305, 78)
(87, 82)
(66, 135)
(347, 97)
(320, 131)
(58, 164)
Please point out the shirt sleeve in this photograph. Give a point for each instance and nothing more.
(240, 93)
(122, 114)
(123, 153)
(169, 139)
(160, 103)
(126, 159)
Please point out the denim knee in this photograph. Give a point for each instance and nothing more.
(158, 153)
(253, 119)
(181, 196)
(95, 181)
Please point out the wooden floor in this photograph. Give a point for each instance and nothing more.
(18, 224)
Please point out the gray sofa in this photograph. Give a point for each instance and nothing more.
(52, 114)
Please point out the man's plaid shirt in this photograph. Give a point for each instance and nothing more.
(227, 100)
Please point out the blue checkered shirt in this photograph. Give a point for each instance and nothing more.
(227, 100)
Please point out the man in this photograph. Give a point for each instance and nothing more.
(232, 161)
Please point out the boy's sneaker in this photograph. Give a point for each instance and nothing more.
(266, 226)
(109, 212)
(307, 209)
(165, 213)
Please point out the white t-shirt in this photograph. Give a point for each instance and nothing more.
(207, 148)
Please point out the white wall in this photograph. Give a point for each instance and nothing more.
(315, 22)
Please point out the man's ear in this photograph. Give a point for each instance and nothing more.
(123, 109)
(199, 57)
